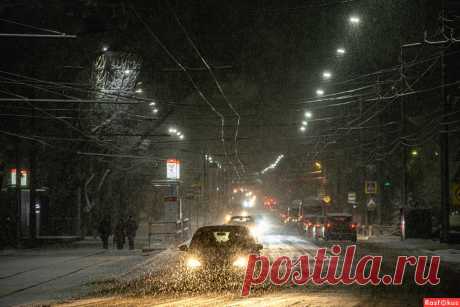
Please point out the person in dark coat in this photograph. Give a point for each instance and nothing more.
(105, 230)
(119, 235)
(131, 228)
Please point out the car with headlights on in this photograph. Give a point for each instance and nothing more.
(219, 248)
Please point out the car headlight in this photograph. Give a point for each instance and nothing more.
(240, 262)
(193, 263)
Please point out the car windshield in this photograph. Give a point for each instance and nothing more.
(228, 237)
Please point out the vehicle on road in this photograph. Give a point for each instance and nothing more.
(219, 248)
(307, 224)
(339, 226)
(292, 216)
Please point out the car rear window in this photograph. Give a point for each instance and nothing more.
(340, 219)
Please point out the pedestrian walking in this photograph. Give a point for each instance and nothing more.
(105, 230)
(131, 228)
(119, 234)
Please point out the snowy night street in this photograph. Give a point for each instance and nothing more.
(229, 153)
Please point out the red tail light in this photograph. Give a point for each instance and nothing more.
(328, 225)
(353, 226)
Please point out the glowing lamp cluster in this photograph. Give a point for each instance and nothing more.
(273, 165)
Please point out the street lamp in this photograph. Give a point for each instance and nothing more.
(354, 20)
(181, 136)
(341, 51)
(308, 114)
(127, 71)
(152, 104)
(319, 92)
(303, 128)
(105, 48)
(139, 90)
(414, 153)
(318, 165)
(304, 123)
(155, 111)
(327, 75)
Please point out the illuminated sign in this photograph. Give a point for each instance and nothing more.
(24, 177)
(172, 169)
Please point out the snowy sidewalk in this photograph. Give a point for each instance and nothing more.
(58, 272)
(448, 252)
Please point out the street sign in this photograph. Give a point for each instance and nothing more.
(172, 169)
(370, 187)
(371, 204)
(456, 195)
(352, 197)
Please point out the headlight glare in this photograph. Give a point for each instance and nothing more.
(240, 262)
(193, 263)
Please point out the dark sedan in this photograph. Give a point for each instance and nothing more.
(223, 247)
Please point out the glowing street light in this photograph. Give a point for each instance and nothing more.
(318, 165)
(414, 153)
(152, 104)
(303, 128)
(308, 114)
(181, 136)
(155, 111)
(127, 71)
(105, 48)
(341, 51)
(172, 130)
(139, 91)
(354, 20)
(319, 92)
(304, 123)
(327, 75)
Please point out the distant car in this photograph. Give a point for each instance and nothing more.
(339, 226)
(255, 224)
(318, 227)
(216, 248)
(292, 215)
(245, 220)
(307, 223)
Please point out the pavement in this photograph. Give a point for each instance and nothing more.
(43, 275)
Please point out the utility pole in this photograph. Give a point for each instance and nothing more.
(380, 180)
(403, 204)
(18, 194)
(32, 186)
(444, 148)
